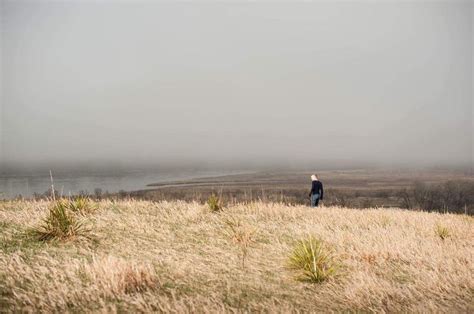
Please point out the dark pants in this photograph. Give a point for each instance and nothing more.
(314, 200)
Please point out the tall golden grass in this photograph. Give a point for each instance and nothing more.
(181, 257)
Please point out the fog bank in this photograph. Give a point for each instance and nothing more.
(241, 83)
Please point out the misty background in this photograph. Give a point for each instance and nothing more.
(116, 82)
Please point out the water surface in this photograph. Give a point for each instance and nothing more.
(27, 185)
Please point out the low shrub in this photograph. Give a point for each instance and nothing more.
(242, 235)
(450, 196)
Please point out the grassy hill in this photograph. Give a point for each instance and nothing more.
(182, 257)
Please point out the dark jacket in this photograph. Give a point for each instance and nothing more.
(317, 188)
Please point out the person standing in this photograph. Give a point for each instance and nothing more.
(317, 192)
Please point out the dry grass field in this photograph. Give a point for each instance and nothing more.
(182, 257)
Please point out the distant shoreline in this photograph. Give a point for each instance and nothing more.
(29, 185)
(355, 178)
(358, 188)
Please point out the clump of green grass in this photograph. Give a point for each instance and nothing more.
(313, 260)
(214, 203)
(61, 223)
(442, 232)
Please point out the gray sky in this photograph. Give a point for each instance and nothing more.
(149, 81)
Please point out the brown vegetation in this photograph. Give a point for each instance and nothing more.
(441, 191)
(181, 257)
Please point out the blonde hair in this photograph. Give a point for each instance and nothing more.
(314, 177)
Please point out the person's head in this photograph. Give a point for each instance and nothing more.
(314, 177)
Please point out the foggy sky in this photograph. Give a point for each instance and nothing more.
(277, 82)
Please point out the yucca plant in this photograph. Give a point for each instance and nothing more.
(61, 223)
(214, 203)
(312, 260)
(82, 205)
(442, 232)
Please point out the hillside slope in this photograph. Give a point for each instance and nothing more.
(176, 256)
